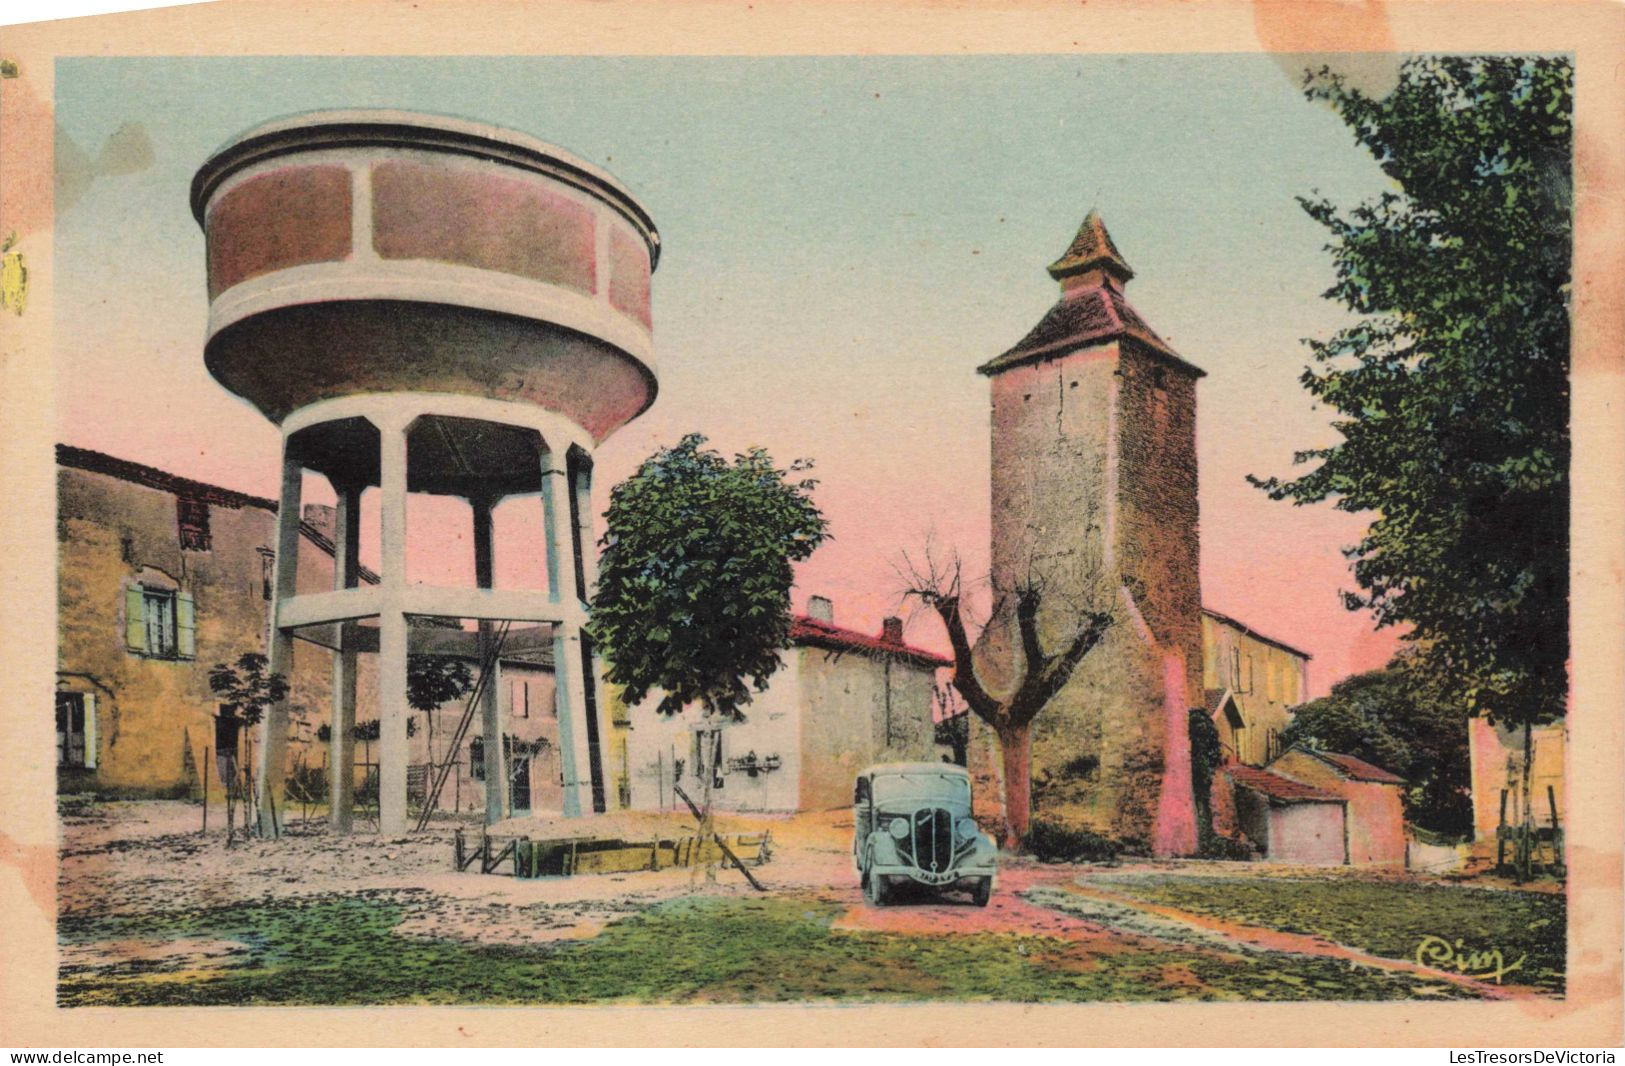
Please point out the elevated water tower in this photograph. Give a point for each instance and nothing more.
(428, 305)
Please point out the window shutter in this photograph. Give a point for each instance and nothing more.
(90, 731)
(185, 626)
(135, 620)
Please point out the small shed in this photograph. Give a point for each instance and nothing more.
(1288, 820)
(1375, 797)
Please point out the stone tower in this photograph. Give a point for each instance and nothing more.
(1094, 495)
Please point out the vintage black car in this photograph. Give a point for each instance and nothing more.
(913, 823)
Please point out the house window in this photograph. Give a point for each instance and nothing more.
(192, 518)
(476, 759)
(158, 613)
(1235, 668)
(1249, 687)
(519, 705)
(159, 623)
(267, 572)
(75, 730)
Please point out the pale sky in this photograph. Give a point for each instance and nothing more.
(843, 241)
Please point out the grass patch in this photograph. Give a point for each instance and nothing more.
(1381, 917)
(343, 950)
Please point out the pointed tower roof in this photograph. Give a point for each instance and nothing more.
(1091, 249)
(1092, 309)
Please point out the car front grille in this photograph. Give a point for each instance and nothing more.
(929, 844)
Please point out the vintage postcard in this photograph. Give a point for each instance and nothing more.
(1021, 512)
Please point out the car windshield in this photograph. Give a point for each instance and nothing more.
(953, 789)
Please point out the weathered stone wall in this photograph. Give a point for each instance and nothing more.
(855, 711)
(154, 716)
(1094, 496)
(772, 726)
(1159, 550)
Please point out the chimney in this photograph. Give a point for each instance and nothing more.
(322, 518)
(891, 630)
(820, 608)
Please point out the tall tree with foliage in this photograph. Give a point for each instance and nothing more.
(694, 580)
(1399, 718)
(1452, 388)
(432, 680)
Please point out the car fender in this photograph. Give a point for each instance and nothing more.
(882, 849)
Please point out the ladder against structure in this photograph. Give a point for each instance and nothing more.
(428, 305)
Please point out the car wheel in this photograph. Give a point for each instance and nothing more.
(983, 891)
(874, 890)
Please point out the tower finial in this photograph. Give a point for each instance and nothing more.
(1091, 250)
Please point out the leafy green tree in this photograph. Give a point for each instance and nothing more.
(1402, 719)
(432, 680)
(248, 688)
(1452, 387)
(694, 581)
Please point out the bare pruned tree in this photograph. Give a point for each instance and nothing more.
(1039, 673)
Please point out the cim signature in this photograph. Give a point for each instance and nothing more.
(1441, 954)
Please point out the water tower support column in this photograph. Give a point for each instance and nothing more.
(496, 765)
(271, 771)
(392, 634)
(586, 544)
(341, 741)
(575, 757)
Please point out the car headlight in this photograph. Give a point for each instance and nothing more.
(965, 829)
(898, 828)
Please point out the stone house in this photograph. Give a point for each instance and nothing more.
(841, 701)
(159, 578)
(1250, 684)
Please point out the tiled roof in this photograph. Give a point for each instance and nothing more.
(1084, 317)
(821, 634)
(1236, 623)
(1277, 787)
(1091, 248)
(151, 477)
(1358, 769)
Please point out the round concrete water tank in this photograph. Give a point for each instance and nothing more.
(356, 252)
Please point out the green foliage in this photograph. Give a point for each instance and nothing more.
(1453, 386)
(332, 951)
(368, 730)
(1049, 841)
(1386, 918)
(1207, 755)
(1401, 719)
(249, 688)
(694, 581)
(435, 679)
